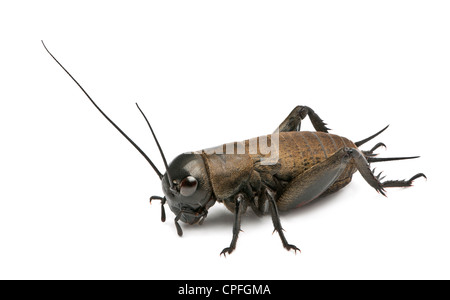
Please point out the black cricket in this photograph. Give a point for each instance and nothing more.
(307, 165)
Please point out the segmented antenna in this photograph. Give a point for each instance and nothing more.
(159, 147)
(107, 118)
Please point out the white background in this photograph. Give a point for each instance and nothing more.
(74, 193)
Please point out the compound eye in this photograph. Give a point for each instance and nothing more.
(188, 186)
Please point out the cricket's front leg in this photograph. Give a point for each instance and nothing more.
(239, 209)
(163, 201)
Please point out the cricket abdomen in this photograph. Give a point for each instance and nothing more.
(302, 150)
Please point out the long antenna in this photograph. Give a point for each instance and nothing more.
(107, 118)
(159, 147)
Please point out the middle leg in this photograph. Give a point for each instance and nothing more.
(277, 223)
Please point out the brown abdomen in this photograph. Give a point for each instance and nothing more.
(300, 151)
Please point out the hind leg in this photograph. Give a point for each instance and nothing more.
(402, 183)
(294, 120)
(316, 180)
(312, 183)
